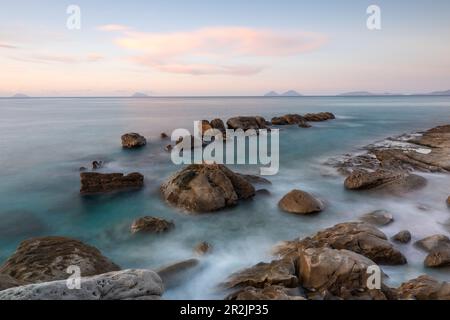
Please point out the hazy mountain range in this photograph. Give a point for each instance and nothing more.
(290, 93)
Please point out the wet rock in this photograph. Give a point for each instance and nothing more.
(341, 273)
(424, 288)
(176, 273)
(378, 218)
(97, 164)
(438, 248)
(389, 181)
(277, 272)
(263, 192)
(92, 182)
(321, 116)
(433, 242)
(402, 237)
(254, 179)
(300, 202)
(120, 285)
(219, 125)
(133, 140)
(205, 126)
(168, 148)
(151, 225)
(206, 188)
(246, 123)
(266, 293)
(203, 248)
(46, 259)
(289, 119)
(359, 237)
(6, 282)
(164, 135)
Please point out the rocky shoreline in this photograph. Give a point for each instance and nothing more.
(334, 263)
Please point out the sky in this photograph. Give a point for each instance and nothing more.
(200, 47)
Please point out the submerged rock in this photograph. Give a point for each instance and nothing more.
(206, 188)
(321, 116)
(47, 259)
(176, 273)
(300, 202)
(438, 248)
(151, 225)
(203, 248)
(424, 288)
(92, 182)
(133, 140)
(402, 237)
(164, 135)
(97, 164)
(120, 285)
(246, 123)
(378, 218)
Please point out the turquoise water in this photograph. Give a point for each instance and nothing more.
(44, 142)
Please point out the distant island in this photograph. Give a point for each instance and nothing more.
(290, 93)
(139, 95)
(367, 94)
(20, 96)
(439, 93)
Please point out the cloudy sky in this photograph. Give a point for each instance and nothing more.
(208, 47)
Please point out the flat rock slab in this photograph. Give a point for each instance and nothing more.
(94, 183)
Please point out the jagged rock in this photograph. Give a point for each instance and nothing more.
(267, 293)
(92, 182)
(424, 288)
(438, 248)
(175, 273)
(300, 202)
(358, 237)
(47, 259)
(6, 282)
(341, 273)
(277, 272)
(203, 248)
(321, 116)
(133, 140)
(378, 218)
(246, 123)
(206, 188)
(151, 225)
(120, 285)
(402, 237)
(219, 125)
(389, 181)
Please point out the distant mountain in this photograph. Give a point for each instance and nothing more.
(439, 93)
(139, 95)
(290, 93)
(358, 94)
(20, 96)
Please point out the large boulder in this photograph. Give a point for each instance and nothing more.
(321, 116)
(47, 259)
(133, 140)
(339, 273)
(300, 202)
(92, 182)
(389, 181)
(206, 188)
(358, 237)
(120, 285)
(151, 225)
(424, 288)
(246, 123)
(278, 272)
(438, 248)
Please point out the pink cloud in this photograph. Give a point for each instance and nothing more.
(220, 47)
(113, 27)
(7, 46)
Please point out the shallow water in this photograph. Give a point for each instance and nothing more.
(43, 143)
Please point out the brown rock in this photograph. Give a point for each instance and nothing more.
(277, 272)
(246, 123)
(219, 125)
(46, 259)
(321, 116)
(424, 288)
(151, 225)
(402, 237)
(267, 293)
(206, 188)
(378, 218)
(203, 248)
(175, 273)
(164, 135)
(254, 179)
(133, 140)
(433, 242)
(92, 183)
(6, 282)
(448, 201)
(300, 202)
(205, 126)
(438, 248)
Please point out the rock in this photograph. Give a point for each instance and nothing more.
(341, 273)
(389, 181)
(424, 288)
(190, 142)
(263, 192)
(219, 125)
(92, 183)
(176, 273)
(151, 225)
(46, 259)
(6, 282)
(246, 123)
(206, 188)
(203, 248)
(168, 148)
(438, 248)
(133, 140)
(254, 179)
(164, 135)
(267, 293)
(378, 218)
(300, 202)
(402, 237)
(205, 126)
(321, 116)
(433, 242)
(277, 272)
(358, 237)
(448, 201)
(97, 165)
(288, 119)
(119, 285)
